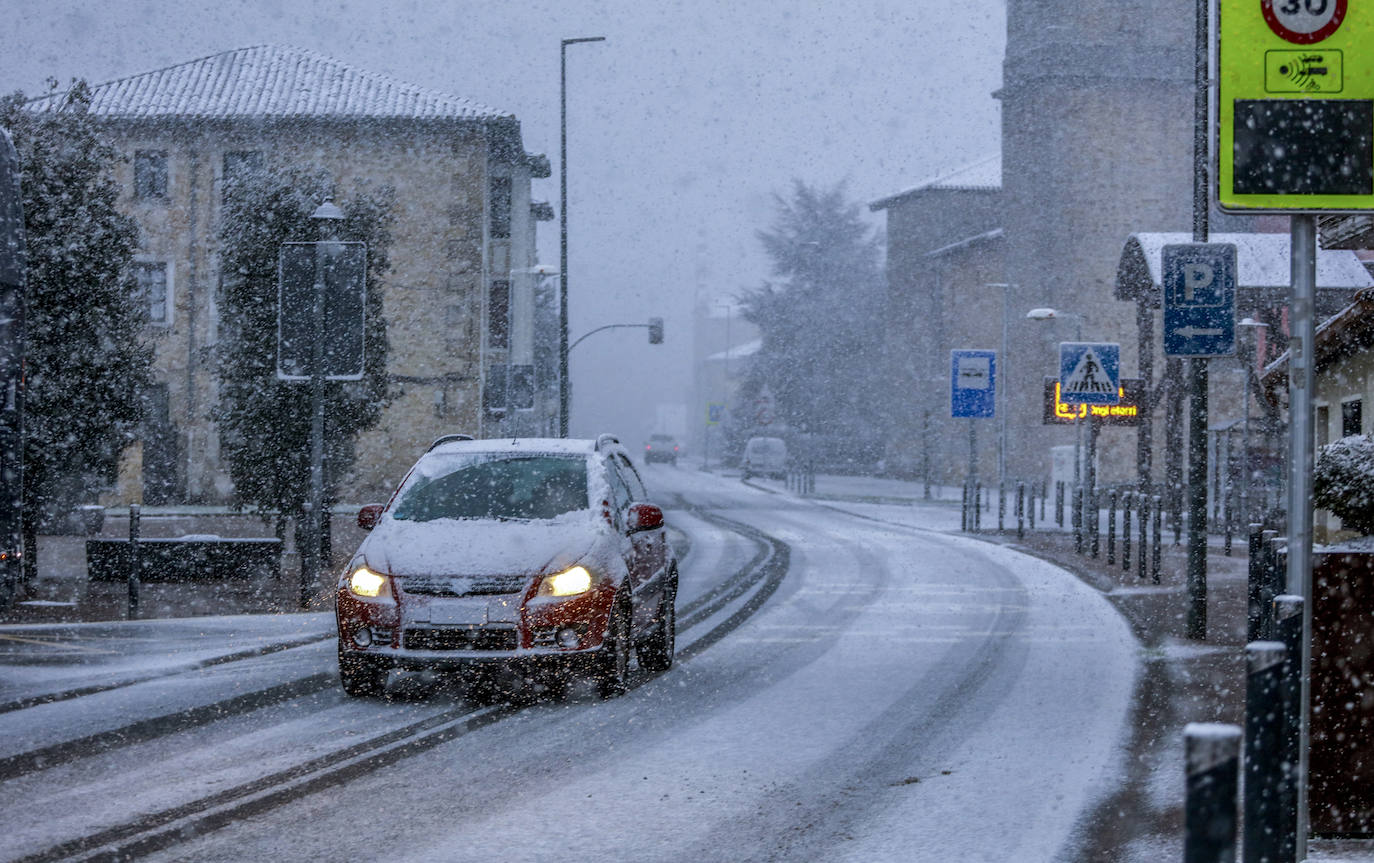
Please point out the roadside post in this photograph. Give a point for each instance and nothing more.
(1144, 536)
(1212, 756)
(1287, 617)
(1264, 730)
(1089, 376)
(1126, 499)
(973, 395)
(135, 560)
(321, 311)
(1295, 100)
(1199, 285)
(13, 266)
(1155, 545)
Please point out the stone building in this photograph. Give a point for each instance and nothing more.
(1097, 132)
(461, 299)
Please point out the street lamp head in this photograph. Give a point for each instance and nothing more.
(1042, 314)
(1251, 322)
(328, 211)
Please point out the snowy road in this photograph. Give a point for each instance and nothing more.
(852, 685)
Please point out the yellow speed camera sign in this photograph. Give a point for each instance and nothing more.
(1295, 98)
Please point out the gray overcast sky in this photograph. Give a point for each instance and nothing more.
(682, 125)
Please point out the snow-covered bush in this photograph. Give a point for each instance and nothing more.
(1343, 482)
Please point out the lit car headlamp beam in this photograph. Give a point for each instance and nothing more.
(365, 582)
(569, 582)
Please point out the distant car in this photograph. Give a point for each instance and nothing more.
(661, 447)
(533, 558)
(765, 456)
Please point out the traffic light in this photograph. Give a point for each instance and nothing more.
(655, 331)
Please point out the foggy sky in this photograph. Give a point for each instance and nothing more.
(682, 125)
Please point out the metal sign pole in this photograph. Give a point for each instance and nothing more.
(1300, 459)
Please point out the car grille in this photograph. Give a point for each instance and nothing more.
(465, 638)
(463, 585)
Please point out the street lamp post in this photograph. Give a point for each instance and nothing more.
(1247, 361)
(563, 227)
(1046, 314)
(1002, 387)
(326, 218)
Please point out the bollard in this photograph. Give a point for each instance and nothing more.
(1126, 531)
(1021, 510)
(1211, 754)
(1255, 609)
(977, 506)
(1144, 551)
(1287, 616)
(1094, 519)
(963, 508)
(1031, 514)
(1001, 507)
(135, 559)
(1076, 517)
(1226, 520)
(1111, 528)
(1264, 732)
(1154, 548)
(1059, 503)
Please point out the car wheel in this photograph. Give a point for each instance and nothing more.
(362, 676)
(656, 652)
(613, 660)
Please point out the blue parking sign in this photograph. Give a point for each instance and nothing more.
(972, 383)
(1199, 284)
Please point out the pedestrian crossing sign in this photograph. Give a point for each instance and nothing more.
(1089, 373)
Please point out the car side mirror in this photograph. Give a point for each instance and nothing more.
(369, 515)
(644, 516)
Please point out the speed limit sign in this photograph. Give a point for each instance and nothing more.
(1303, 22)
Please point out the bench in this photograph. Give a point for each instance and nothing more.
(195, 557)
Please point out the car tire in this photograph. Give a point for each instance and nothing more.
(362, 676)
(656, 652)
(612, 664)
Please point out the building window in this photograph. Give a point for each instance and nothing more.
(500, 207)
(150, 174)
(498, 315)
(1323, 426)
(151, 281)
(241, 165)
(1352, 417)
(494, 393)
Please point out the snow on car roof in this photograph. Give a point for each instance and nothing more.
(543, 445)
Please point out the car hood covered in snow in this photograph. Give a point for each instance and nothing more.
(478, 547)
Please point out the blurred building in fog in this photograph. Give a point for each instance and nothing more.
(1097, 121)
(723, 346)
(463, 298)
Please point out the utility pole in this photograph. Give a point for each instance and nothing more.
(1197, 401)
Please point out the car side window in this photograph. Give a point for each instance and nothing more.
(620, 492)
(627, 470)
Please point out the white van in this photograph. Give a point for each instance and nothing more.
(766, 456)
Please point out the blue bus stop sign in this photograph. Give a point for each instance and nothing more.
(972, 384)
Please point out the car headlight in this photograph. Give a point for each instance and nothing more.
(570, 582)
(365, 582)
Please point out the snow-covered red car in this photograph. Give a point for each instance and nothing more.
(539, 557)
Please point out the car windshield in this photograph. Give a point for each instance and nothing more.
(495, 487)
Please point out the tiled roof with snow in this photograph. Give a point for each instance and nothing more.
(984, 174)
(270, 82)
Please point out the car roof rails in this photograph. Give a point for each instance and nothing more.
(448, 438)
(604, 440)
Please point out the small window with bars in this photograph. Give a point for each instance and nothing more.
(150, 279)
(150, 175)
(500, 207)
(498, 314)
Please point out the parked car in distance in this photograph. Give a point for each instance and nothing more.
(765, 456)
(536, 560)
(661, 447)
